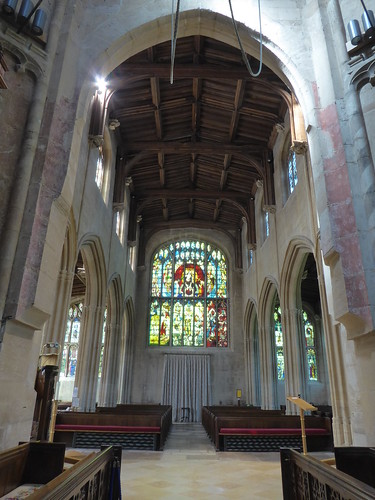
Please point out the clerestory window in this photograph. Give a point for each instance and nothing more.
(189, 296)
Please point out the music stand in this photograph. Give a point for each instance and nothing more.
(303, 406)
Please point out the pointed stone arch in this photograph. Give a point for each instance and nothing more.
(269, 291)
(109, 383)
(127, 351)
(252, 355)
(92, 320)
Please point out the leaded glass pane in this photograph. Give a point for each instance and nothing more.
(279, 343)
(267, 224)
(70, 349)
(154, 322)
(310, 347)
(190, 277)
(178, 317)
(292, 171)
(165, 326)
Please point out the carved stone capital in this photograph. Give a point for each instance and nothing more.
(299, 147)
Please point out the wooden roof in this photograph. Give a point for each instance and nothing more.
(194, 149)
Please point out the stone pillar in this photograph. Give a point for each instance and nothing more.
(109, 385)
(267, 372)
(55, 329)
(88, 356)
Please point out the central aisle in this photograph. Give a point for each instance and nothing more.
(190, 468)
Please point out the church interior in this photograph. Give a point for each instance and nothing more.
(187, 212)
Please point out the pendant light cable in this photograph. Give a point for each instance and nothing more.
(244, 56)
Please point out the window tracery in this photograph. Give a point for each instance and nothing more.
(189, 301)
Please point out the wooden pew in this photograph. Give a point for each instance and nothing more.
(210, 414)
(306, 477)
(270, 432)
(132, 430)
(90, 478)
(358, 462)
(30, 463)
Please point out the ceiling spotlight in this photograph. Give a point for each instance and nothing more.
(354, 30)
(39, 22)
(9, 6)
(368, 22)
(101, 84)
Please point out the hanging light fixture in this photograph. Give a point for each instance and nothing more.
(174, 28)
(368, 22)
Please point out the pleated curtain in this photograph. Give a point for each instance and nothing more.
(186, 385)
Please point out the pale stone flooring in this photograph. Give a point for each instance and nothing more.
(190, 468)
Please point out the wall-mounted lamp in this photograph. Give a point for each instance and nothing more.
(24, 15)
(354, 29)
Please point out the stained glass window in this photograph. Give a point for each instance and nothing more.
(71, 343)
(266, 224)
(310, 347)
(292, 171)
(99, 174)
(189, 304)
(279, 343)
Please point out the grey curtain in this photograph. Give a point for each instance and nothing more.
(186, 385)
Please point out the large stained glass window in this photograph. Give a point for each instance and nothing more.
(310, 347)
(71, 343)
(279, 343)
(189, 296)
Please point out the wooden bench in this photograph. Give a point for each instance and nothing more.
(41, 466)
(30, 463)
(271, 432)
(134, 430)
(358, 462)
(306, 477)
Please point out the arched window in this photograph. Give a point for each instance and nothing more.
(279, 343)
(292, 171)
(266, 225)
(189, 304)
(99, 174)
(310, 347)
(71, 343)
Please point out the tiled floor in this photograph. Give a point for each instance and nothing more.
(190, 468)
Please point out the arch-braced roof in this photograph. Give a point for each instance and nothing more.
(194, 149)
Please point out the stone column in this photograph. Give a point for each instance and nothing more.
(88, 356)
(109, 385)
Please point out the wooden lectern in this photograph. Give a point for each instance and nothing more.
(303, 406)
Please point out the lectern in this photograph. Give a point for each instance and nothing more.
(303, 406)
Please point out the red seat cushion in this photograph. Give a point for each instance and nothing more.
(272, 431)
(106, 428)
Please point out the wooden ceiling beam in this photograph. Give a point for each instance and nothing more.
(155, 94)
(194, 147)
(194, 194)
(238, 100)
(162, 70)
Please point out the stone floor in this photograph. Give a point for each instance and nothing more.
(190, 468)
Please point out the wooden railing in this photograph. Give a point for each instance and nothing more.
(306, 478)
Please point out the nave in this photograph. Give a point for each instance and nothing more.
(189, 467)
